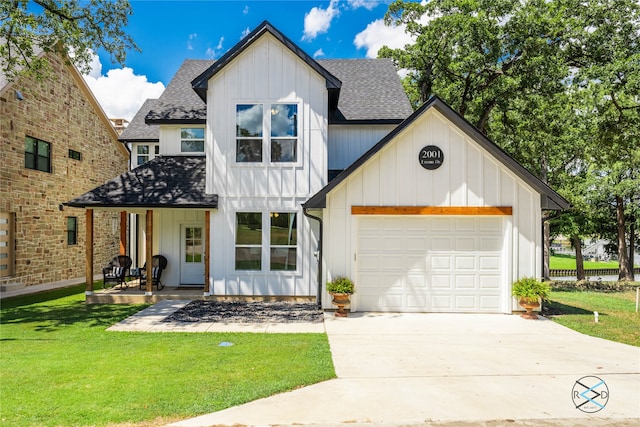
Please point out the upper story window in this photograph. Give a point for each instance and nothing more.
(249, 118)
(75, 155)
(192, 140)
(37, 154)
(144, 153)
(278, 121)
(284, 132)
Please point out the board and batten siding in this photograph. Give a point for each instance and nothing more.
(348, 142)
(469, 176)
(266, 72)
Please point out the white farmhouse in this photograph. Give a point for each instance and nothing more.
(266, 173)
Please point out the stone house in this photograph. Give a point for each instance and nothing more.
(57, 142)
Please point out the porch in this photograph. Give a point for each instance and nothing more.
(133, 295)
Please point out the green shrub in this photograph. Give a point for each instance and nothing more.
(341, 285)
(531, 288)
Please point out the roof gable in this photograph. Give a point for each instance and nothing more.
(201, 83)
(549, 198)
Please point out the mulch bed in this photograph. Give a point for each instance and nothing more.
(247, 312)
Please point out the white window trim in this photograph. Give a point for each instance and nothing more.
(266, 244)
(266, 135)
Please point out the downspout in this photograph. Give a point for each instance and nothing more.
(308, 215)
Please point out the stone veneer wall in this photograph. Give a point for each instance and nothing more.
(56, 110)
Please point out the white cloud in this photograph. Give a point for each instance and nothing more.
(367, 4)
(377, 34)
(318, 53)
(318, 20)
(121, 92)
(245, 33)
(189, 42)
(245, 10)
(214, 52)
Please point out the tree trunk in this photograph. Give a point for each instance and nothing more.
(632, 242)
(577, 244)
(546, 237)
(623, 255)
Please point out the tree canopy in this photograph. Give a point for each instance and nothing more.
(556, 83)
(73, 27)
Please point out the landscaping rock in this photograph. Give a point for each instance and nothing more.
(247, 312)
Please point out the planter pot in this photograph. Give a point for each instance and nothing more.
(340, 300)
(529, 305)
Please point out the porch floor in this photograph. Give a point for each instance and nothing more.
(133, 295)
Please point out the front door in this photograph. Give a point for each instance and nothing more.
(191, 254)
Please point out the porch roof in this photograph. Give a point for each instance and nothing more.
(163, 182)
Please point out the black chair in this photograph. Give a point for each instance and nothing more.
(159, 263)
(116, 271)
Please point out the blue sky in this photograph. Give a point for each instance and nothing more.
(170, 31)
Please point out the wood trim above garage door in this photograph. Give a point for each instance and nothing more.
(431, 210)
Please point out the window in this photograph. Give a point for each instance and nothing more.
(72, 230)
(281, 126)
(249, 133)
(143, 153)
(75, 155)
(284, 239)
(284, 132)
(248, 241)
(192, 140)
(37, 154)
(193, 245)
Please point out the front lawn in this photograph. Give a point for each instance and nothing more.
(618, 320)
(568, 262)
(61, 368)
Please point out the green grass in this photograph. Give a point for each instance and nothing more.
(61, 368)
(568, 262)
(618, 320)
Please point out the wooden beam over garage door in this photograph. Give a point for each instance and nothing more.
(431, 210)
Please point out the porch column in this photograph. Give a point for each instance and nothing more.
(149, 252)
(123, 233)
(207, 250)
(88, 266)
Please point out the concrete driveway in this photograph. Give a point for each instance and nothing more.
(434, 369)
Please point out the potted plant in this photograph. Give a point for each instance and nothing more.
(341, 288)
(530, 292)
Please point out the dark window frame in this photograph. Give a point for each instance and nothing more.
(72, 230)
(34, 160)
(75, 155)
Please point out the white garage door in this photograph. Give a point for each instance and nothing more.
(446, 264)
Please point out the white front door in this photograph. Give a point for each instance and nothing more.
(191, 254)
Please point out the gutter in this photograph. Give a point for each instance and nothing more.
(308, 215)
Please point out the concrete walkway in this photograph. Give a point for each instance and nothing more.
(452, 369)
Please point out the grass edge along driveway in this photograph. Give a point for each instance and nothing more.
(60, 367)
(617, 319)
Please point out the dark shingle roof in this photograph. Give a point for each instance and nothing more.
(165, 181)
(371, 91)
(138, 130)
(179, 102)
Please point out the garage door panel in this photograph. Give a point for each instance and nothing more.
(443, 264)
(490, 282)
(440, 281)
(441, 244)
(465, 281)
(465, 262)
(465, 244)
(489, 263)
